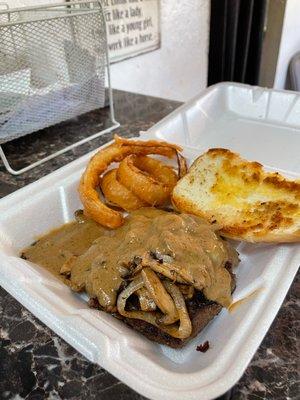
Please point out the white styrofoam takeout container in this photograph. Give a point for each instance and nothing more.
(260, 124)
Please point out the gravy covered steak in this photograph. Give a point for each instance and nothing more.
(164, 274)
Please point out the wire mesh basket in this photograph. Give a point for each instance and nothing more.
(53, 60)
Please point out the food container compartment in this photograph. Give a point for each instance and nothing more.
(260, 124)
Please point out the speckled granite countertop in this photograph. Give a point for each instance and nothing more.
(36, 364)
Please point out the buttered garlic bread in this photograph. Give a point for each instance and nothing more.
(246, 201)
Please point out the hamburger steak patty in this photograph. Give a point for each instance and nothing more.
(201, 312)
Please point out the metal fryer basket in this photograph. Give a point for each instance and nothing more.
(53, 60)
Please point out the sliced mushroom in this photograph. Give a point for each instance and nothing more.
(165, 269)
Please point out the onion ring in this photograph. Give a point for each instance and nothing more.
(152, 143)
(182, 166)
(161, 297)
(149, 179)
(116, 152)
(118, 194)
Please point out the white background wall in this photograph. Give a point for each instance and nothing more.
(178, 70)
(290, 41)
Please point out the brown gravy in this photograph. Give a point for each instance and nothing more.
(52, 250)
(102, 257)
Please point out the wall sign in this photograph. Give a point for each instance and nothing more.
(132, 26)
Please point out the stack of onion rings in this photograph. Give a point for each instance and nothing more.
(118, 194)
(164, 178)
(149, 179)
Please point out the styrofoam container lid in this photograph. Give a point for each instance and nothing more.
(261, 125)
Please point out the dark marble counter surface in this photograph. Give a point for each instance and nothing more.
(36, 364)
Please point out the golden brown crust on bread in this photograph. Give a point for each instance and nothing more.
(248, 203)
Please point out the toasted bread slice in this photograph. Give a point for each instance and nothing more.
(247, 202)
